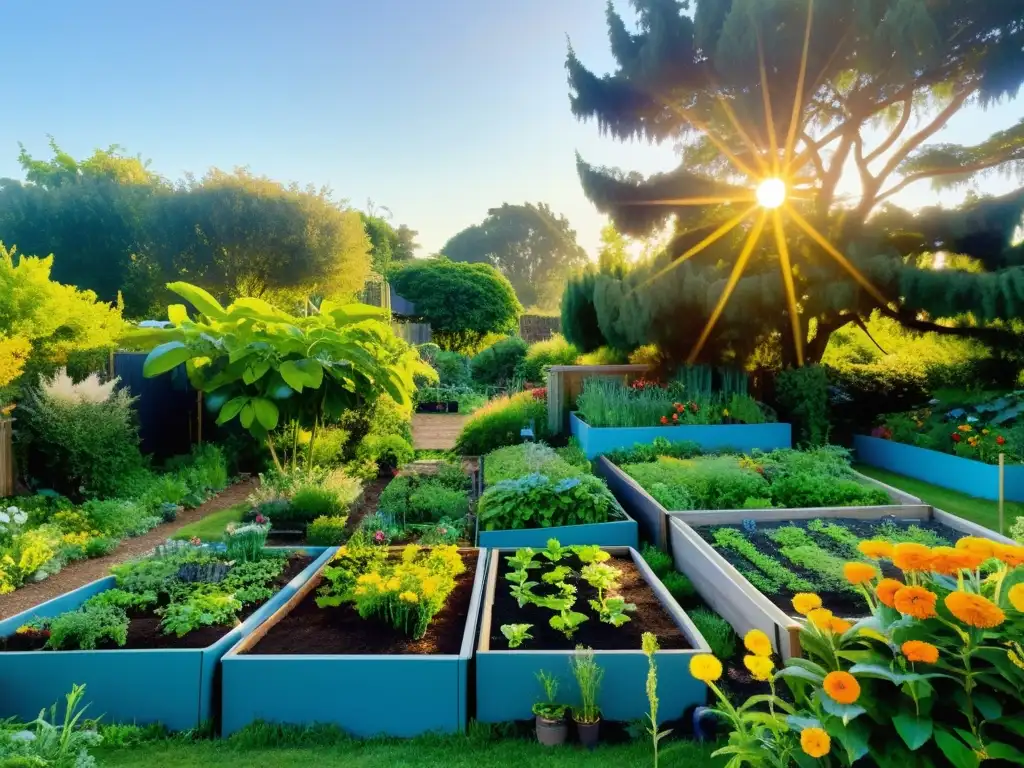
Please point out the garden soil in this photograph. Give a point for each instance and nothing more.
(82, 572)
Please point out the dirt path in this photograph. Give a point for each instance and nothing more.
(80, 573)
(436, 431)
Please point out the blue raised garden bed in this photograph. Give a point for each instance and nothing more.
(365, 695)
(506, 681)
(975, 478)
(174, 687)
(615, 533)
(597, 441)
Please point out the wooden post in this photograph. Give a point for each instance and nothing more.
(1002, 489)
(110, 365)
(199, 416)
(6, 457)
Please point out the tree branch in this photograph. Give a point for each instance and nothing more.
(866, 179)
(863, 326)
(895, 133)
(975, 168)
(994, 337)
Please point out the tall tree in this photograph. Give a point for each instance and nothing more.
(794, 92)
(529, 244)
(388, 245)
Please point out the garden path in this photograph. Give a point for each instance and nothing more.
(436, 431)
(82, 572)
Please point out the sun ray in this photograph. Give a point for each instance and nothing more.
(800, 82)
(765, 170)
(687, 201)
(787, 278)
(769, 118)
(714, 237)
(832, 251)
(696, 122)
(737, 271)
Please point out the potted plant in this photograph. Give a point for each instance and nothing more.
(550, 715)
(588, 677)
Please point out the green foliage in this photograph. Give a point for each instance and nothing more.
(327, 531)
(119, 598)
(680, 587)
(713, 482)
(329, 448)
(535, 501)
(201, 609)
(88, 627)
(809, 490)
(415, 499)
(500, 363)
(432, 502)
(645, 453)
(462, 302)
(452, 369)
(802, 395)
(842, 537)
(101, 546)
(388, 245)
(500, 422)
(889, 531)
(54, 741)
(774, 572)
(387, 450)
(717, 631)
(119, 518)
(520, 460)
(554, 351)
(311, 502)
(1017, 530)
(660, 562)
(797, 546)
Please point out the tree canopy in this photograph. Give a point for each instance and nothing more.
(462, 302)
(804, 91)
(388, 245)
(532, 246)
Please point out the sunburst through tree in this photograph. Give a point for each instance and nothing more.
(771, 102)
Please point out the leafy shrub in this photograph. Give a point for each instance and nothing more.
(500, 422)
(497, 365)
(520, 460)
(680, 587)
(119, 517)
(573, 454)
(327, 531)
(383, 417)
(452, 369)
(444, 531)
(710, 482)
(431, 502)
(603, 356)
(100, 546)
(643, 453)
(802, 396)
(86, 628)
(453, 476)
(329, 448)
(807, 490)
(717, 631)
(311, 502)
(554, 351)
(659, 562)
(1017, 531)
(536, 501)
(387, 451)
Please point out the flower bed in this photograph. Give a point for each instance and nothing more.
(534, 493)
(509, 657)
(749, 571)
(152, 676)
(401, 681)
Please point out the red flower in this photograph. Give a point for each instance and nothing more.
(694, 407)
(1000, 440)
(260, 519)
(664, 419)
(539, 393)
(675, 417)
(956, 437)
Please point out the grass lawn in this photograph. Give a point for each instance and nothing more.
(981, 511)
(211, 527)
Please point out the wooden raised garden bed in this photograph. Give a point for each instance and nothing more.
(308, 665)
(717, 571)
(155, 678)
(506, 679)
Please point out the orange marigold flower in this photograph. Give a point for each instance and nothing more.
(839, 626)
(1009, 554)
(983, 547)
(910, 556)
(1016, 597)
(918, 650)
(916, 601)
(886, 591)
(821, 618)
(842, 687)
(975, 610)
(876, 550)
(965, 428)
(805, 602)
(859, 573)
(949, 561)
(815, 742)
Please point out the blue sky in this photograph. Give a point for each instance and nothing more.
(437, 110)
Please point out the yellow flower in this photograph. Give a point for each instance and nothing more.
(983, 547)
(876, 550)
(821, 618)
(392, 584)
(757, 643)
(965, 428)
(805, 602)
(859, 573)
(1016, 597)
(886, 591)
(918, 650)
(949, 561)
(842, 687)
(429, 586)
(974, 610)
(725, 411)
(369, 578)
(1011, 555)
(910, 556)
(409, 553)
(759, 666)
(409, 597)
(815, 742)
(360, 590)
(917, 602)
(705, 667)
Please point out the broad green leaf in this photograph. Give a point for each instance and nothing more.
(800, 722)
(855, 738)
(200, 299)
(247, 414)
(988, 705)
(915, 731)
(806, 664)
(847, 712)
(142, 338)
(799, 673)
(997, 750)
(353, 313)
(177, 314)
(958, 753)
(266, 412)
(255, 371)
(231, 409)
(164, 358)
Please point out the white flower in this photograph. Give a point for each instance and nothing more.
(20, 517)
(11, 510)
(4, 517)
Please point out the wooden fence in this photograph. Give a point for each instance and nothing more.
(565, 382)
(6, 457)
(413, 333)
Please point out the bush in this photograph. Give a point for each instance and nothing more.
(452, 369)
(717, 631)
(329, 449)
(535, 501)
(312, 502)
(517, 461)
(554, 351)
(711, 482)
(1017, 531)
(498, 365)
(802, 396)
(326, 531)
(500, 422)
(387, 451)
(817, 490)
(119, 518)
(431, 502)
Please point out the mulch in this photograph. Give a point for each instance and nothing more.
(309, 629)
(144, 627)
(82, 572)
(650, 615)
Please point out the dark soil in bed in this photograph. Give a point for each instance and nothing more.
(846, 604)
(144, 627)
(650, 615)
(308, 629)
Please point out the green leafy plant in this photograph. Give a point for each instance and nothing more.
(200, 609)
(517, 461)
(731, 539)
(388, 451)
(245, 543)
(309, 503)
(499, 363)
(802, 395)
(540, 355)
(603, 578)
(717, 631)
(327, 531)
(589, 675)
(57, 741)
(516, 634)
(549, 708)
(650, 648)
(87, 627)
(119, 598)
(535, 501)
(567, 621)
(500, 423)
(680, 587)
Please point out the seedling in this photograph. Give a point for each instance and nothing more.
(568, 621)
(591, 553)
(554, 551)
(522, 560)
(557, 575)
(516, 634)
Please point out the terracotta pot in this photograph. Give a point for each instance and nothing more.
(551, 733)
(589, 733)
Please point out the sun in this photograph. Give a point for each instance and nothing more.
(771, 193)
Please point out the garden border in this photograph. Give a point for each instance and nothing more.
(506, 683)
(172, 686)
(737, 600)
(397, 694)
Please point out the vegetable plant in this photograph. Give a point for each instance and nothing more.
(516, 634)
(549, 708)
(588, 676)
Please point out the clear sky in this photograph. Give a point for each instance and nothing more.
(437, 110)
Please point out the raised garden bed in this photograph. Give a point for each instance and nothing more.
(810, 561)
(308, 665)
(440, 406)
(597, 441)
(975, 478)
(506, 679)
(154, 678)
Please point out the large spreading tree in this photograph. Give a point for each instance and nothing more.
(532, 246)
(842, 101)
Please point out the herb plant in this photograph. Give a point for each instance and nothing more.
(549, 708)
(201, 609)
(588, 676)
(87, 627)
(516, 634)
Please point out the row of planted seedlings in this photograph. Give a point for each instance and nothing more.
(753, 532)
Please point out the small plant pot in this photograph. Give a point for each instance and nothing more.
(551, 733)
(589, 733)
